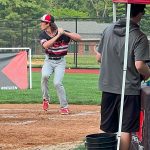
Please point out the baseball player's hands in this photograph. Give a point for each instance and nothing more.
(60, 31)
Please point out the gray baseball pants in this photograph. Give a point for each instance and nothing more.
(58, 68)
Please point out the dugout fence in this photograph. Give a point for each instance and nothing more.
(14, 68)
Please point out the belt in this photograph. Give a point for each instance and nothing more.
(54, 58)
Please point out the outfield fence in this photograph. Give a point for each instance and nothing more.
(24, 33)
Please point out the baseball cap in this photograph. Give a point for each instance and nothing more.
(47, 18)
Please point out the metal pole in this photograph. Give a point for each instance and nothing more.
(124, 73)
(27, 34)
(22, 33)
(30, 68)
(114, 12)
(76, 46)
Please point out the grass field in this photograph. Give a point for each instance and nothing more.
(83, 61)
(80, 89)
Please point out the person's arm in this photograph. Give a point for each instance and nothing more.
(143, 69)
(73, 36)
(99, 48)
(50, 42)
(98, 55)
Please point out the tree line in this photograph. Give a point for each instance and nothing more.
(33, 9)
(15, 15)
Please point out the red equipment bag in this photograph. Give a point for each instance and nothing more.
(141, 139)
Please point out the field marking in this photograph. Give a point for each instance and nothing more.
(84, 113)
(19, 123)
(69, 117)
(8, 115)
(57, 116)
(20, 110)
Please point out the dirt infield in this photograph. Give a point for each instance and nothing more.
(28, 127)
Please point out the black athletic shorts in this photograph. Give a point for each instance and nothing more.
(110, 110)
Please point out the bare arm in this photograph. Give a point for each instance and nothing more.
(143, 69)
(73, 36)
(50, 42)
(98, 55)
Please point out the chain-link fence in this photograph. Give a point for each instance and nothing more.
(24, 33)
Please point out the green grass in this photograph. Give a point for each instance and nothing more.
(83, 61)
(80, 89)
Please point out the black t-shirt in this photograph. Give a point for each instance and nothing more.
(59, 48)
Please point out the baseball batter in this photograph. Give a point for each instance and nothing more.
(55, 42)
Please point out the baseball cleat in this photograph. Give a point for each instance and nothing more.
(64, 111)
(45, 104)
